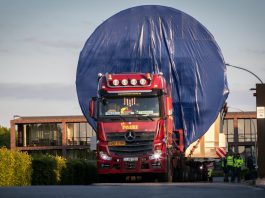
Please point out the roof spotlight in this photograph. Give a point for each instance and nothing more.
(133, 82)
(124, 82)
(115, 82)
(142, 81)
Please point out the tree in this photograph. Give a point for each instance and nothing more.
(4, 137)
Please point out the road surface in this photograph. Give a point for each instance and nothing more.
(135, 190)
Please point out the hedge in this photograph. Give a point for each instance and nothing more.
(19, 169)
(79, 172)
(15, 168)
(50, 170)
(47, 169)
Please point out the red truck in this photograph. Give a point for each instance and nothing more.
(135, 132)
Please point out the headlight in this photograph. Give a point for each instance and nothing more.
(156, 156)
(104, 156)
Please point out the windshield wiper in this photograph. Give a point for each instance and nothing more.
(143, 115)
(118, 116)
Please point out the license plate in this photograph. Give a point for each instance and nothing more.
(130, 159)
(116, 143)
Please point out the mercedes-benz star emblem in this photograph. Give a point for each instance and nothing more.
(130, 136)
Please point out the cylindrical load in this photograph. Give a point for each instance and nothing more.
(159, 39)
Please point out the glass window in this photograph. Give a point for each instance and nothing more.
(70, 133)
(83, 134)
(230, 126)
(129, 106)
(241, 129)
(40, 134)
(76, 134)
(228, 129)
(247, 130)
(254, 130)
(79, 133)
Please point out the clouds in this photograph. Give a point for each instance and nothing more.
(258, 52)
(52, 91)
(54, 43)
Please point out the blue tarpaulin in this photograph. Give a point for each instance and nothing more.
(159, 39)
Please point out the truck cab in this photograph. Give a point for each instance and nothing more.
(135, 132)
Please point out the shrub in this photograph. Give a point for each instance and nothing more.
(43, 170)
(4, 137)
(60, 165)
(15, 168)
(47, 169)
(22, 169)
(79, 172)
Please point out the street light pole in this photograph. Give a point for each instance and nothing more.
(227, 64)
(260, 101)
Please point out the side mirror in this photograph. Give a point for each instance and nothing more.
(92, 107)
(169, 107)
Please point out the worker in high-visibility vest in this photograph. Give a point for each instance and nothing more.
(230, 167)
(238, 163)
(210, 167)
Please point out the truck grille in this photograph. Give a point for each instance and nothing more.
(142, 144)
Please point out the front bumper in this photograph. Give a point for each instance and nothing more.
(119, 165)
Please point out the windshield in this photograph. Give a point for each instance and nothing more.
(127, 106)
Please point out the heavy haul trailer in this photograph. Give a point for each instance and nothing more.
(156, 56)
(135, 130)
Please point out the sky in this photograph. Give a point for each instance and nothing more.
(40, 42)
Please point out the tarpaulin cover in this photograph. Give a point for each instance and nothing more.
(159, 39)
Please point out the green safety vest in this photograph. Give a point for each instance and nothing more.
(210, 171)
(238, 162)
(230, 160)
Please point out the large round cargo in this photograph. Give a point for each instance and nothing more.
(159, 39)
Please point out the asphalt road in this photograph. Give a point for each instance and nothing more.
(135, 190)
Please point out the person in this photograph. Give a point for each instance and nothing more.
(230, 167)
(224, 167)
(126, 110)
(210, 167)
(250, 166)
(238, 163)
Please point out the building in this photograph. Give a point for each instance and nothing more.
(240, 129)
(205, 146)
(67, 136)
(70, 136)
